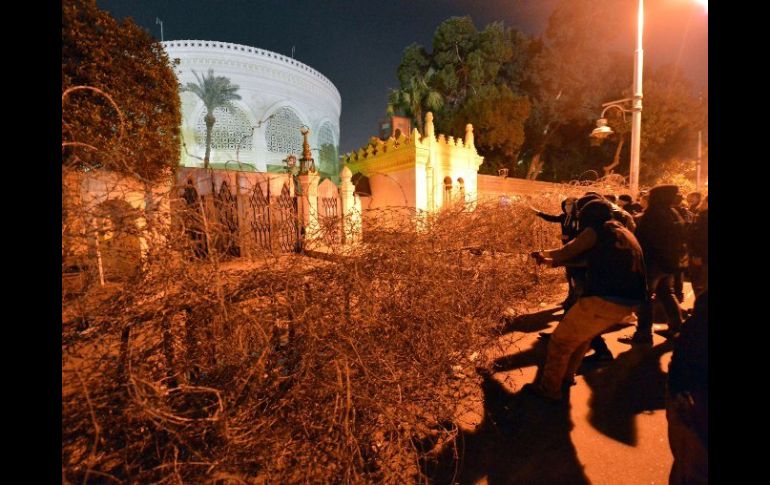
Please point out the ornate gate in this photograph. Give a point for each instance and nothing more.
(259, 208)
(287, 222)
(330, 213)
(227, 215)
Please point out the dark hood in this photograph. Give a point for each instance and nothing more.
(663, 196)
(581, 202)
(595, 214)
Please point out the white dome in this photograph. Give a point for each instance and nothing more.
(278, 95)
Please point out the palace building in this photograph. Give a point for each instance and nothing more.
(279, 95)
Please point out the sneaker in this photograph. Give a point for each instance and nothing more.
(636, 340)
(536, 390)
(598, 358)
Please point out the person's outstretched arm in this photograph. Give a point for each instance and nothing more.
(570, 252)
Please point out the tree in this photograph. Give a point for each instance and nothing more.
(215, 92)
(569, 70)
(415, 93)
(494, 112)
(125, 63)
(671, 118)
(470, 76)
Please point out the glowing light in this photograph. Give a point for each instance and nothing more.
(705, 4)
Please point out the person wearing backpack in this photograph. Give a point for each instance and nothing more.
(661, 233)
(614, 288)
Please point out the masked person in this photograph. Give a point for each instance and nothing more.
(568, 221)
(661, 233)
(698, 244)
(614, 288)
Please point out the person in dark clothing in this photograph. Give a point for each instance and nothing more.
(614, 286)
(602, 352)
(622, 216)
(684, 212)
(693, 201)
(612, 198)
(644, 200)
(661, 233)
(687, 399)
(568, 221)
(625, 200)
(683, 209)
(635, 209)
(698, 243)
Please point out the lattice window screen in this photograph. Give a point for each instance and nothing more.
(229, 129)
(283, 132)
(328, 153)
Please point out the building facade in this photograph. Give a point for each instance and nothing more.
(279, 95)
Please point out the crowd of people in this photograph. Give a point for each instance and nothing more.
(621, 257)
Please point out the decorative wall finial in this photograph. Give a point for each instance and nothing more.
(429, 129)
(469, 135)
(306, 153)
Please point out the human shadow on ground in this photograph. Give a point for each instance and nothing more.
(533, 322)
(632, 384)
(533, 356)
(522, 439)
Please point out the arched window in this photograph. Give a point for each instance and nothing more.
(282, 134)
(327, 158)
(447, 191)
(461, 190)
(231, 129)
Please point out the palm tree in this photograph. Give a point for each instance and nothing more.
(215, 92)
(414, 96)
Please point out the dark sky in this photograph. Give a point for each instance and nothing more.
(357, 44)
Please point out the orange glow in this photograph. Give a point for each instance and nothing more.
(705, 4)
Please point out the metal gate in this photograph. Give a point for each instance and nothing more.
(226, 237)
(259, 215)
(286, 222)
(330, 220)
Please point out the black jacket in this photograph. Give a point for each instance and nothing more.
(616, 265)
(568, 225)
(699, 236)
(688, 371)
(661, 233)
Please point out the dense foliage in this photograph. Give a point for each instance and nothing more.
(126, 65)
(534, 99)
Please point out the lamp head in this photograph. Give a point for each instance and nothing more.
(601, 131)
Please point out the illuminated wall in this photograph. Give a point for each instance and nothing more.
(424, 173)
(278, 95)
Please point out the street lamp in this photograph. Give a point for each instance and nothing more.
(602, 130)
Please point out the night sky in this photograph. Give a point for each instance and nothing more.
(358, 44)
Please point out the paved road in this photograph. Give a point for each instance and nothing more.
(613, 430)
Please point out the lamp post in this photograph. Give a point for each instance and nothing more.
(602, 130)
(636, 104)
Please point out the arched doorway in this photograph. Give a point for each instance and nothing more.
(447, 192)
